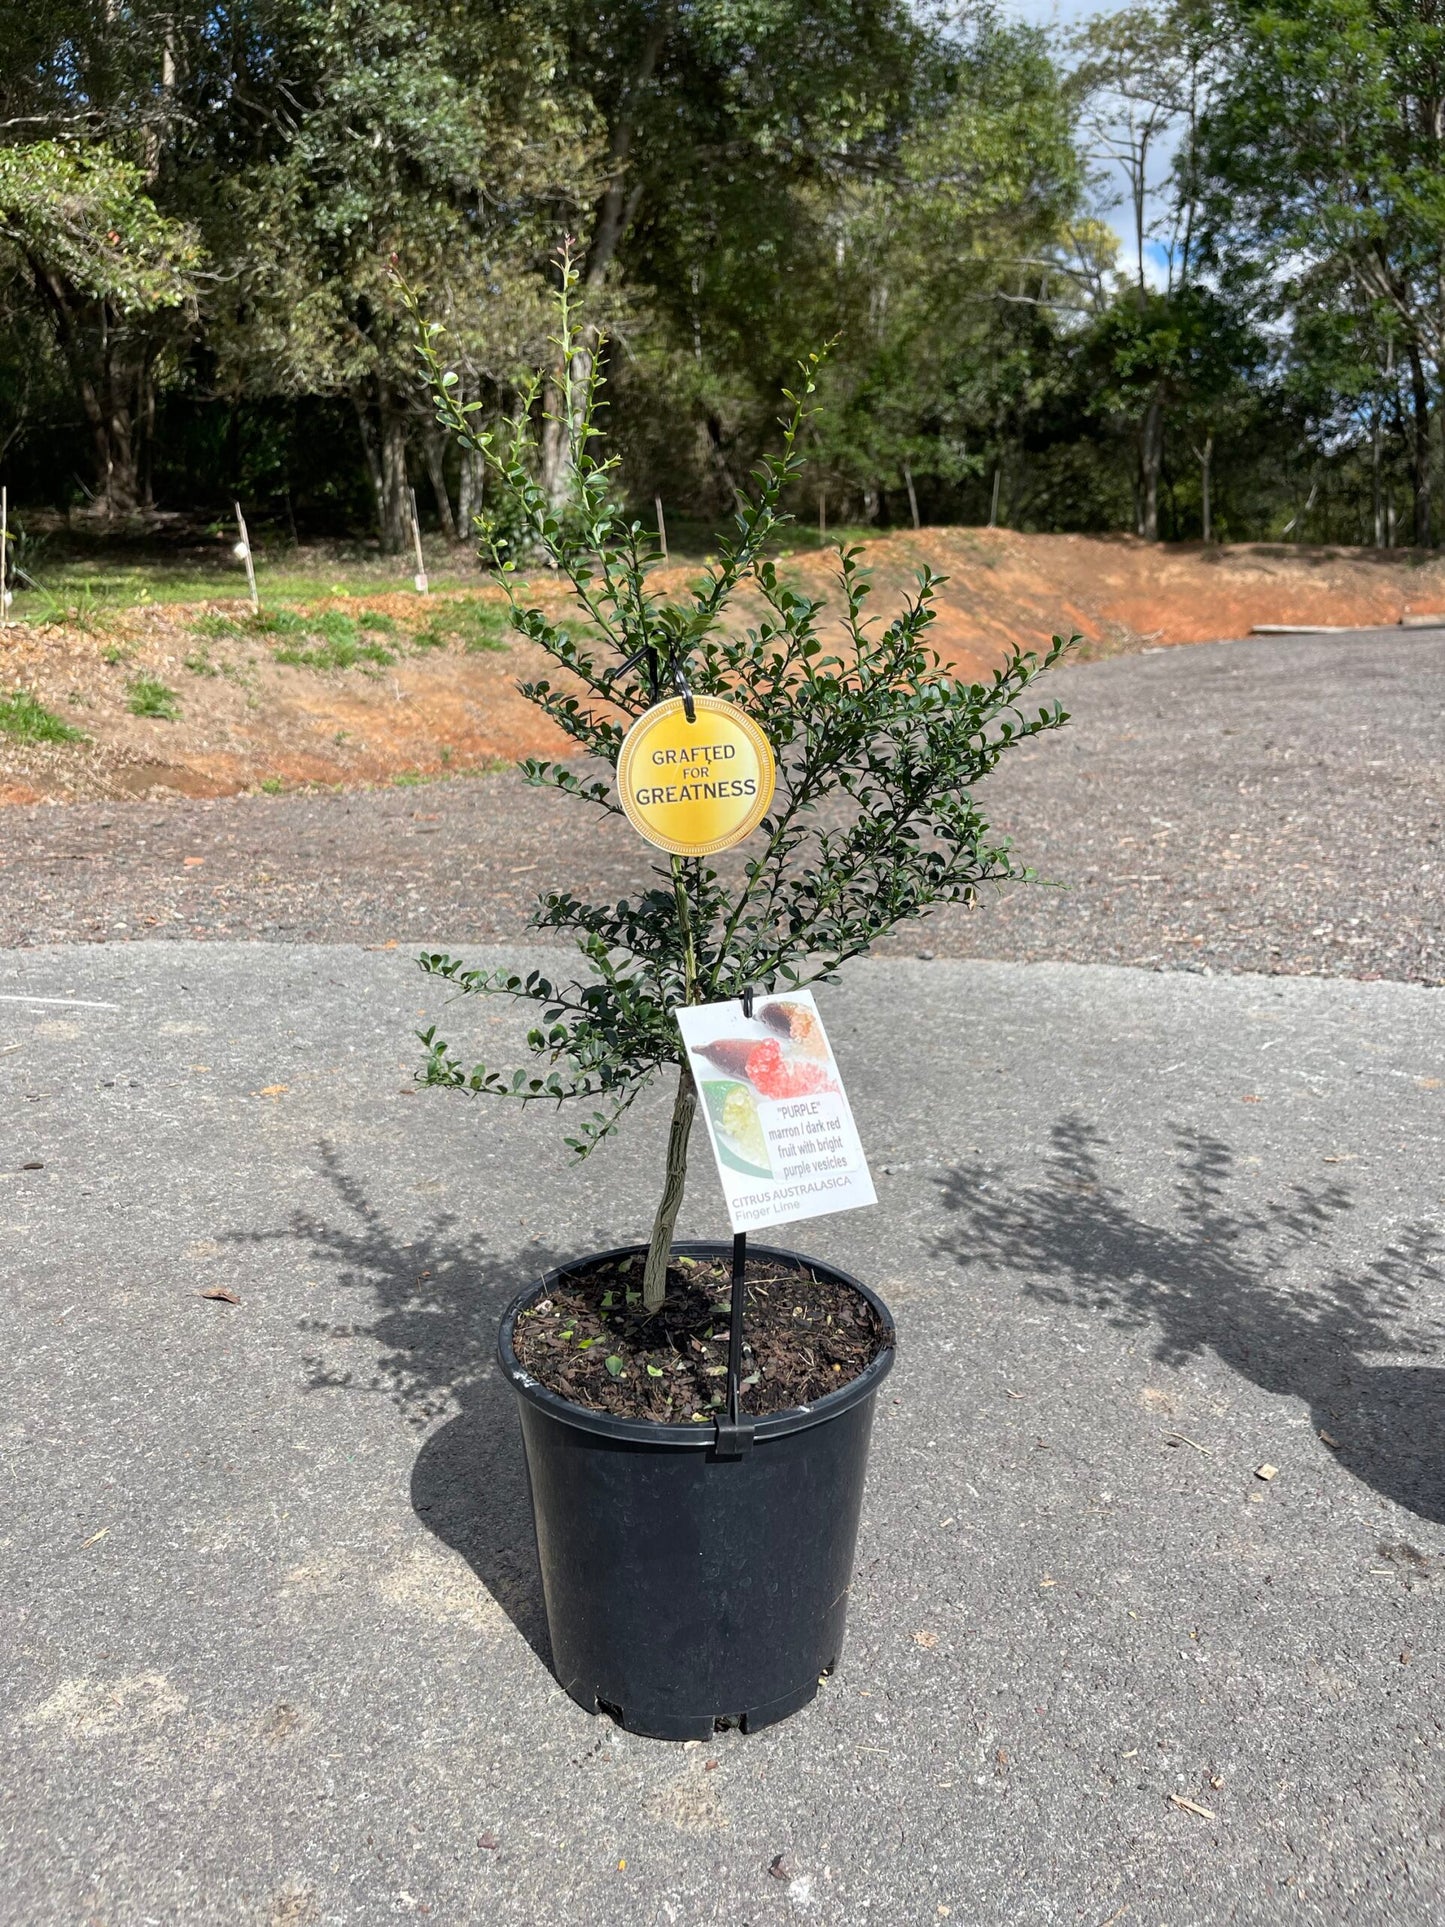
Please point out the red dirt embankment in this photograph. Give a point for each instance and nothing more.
(1122, 595)
(246, 720)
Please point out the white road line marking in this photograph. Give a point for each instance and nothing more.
(64, 1003)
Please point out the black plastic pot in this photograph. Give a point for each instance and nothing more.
(691, 1580)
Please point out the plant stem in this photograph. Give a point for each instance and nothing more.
(689, 945)
(654, 1277)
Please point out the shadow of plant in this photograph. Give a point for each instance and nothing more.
(1261, 1287)
(431, 1305)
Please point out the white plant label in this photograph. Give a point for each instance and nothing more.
(782, 1132)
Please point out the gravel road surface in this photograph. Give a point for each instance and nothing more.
(1272, 805)
(275, 1651)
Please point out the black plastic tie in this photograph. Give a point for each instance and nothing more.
(734, 1438)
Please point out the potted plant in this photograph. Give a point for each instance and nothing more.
(696, 1487)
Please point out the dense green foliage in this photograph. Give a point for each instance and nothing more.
(879, 749)
(198, 206)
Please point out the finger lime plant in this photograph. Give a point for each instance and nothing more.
(696, 1488)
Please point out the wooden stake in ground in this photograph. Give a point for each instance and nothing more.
(912, 495)
(243, 549)
(822, 516)
(4, 558)
(420, 577)
(661, 526)
(993, 510)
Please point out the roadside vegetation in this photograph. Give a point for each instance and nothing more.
(1172, 271)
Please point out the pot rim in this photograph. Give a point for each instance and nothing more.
(691, 1437)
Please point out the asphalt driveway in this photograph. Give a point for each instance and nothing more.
(274, 1646)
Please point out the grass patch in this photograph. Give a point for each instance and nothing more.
(278, 622)
(26, 720)
(335, 655)
(339, 646)
(147, 697)
(475, 624)
(265, 622)
(272, 785)
(378, 620)
(214, 625)
(115, 656)
(199, 663)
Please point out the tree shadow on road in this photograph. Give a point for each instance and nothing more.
(431, 1303)
(1265, 1288)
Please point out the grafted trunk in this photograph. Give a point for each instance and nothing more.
(654, 1275)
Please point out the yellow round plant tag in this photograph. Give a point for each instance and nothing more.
(694, 788)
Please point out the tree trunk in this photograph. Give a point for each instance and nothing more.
(555, 444)
(396, 519)
(1206, 470)
(654, 1276)
(1420, 449)
(615, 212)
(1377, 499)
(1151, 462)
(720, 460)
(107, 384)
(469, 493)
(618, 205)
(146, 425)
(433, 453)
(383, 439)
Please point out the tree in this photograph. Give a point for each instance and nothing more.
(427, 136)
(1157, 354)
(879, 752)
(1141, 74)
(108, 270)
(947, 264)
(1321, 156)
(711, 117)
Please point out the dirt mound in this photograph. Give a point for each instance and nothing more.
(1121, 594)
(427, 686)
